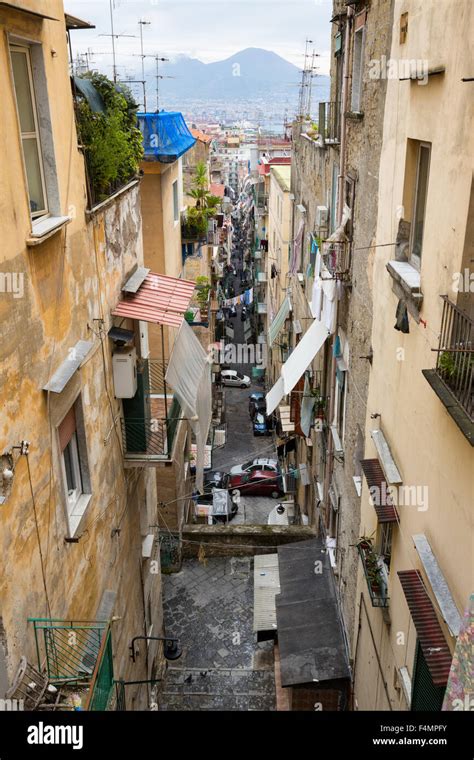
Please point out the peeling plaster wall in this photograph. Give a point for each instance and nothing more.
(70, 280)
(312, 171)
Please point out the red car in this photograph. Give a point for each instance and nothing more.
(258, 483)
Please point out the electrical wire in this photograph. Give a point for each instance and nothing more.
(38, 537)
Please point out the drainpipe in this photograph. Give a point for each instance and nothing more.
(340, 207)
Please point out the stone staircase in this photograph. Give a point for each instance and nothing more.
(236, 689)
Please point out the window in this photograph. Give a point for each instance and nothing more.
(384, 541)
(357, 69)
(28, 121)
(419, 203)
(175, 201)
(76, 481)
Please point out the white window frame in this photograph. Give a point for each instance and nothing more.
(25, 50)
(415, 259)
(72, 497)
(357, 70)
(76, 503)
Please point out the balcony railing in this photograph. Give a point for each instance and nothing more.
(336, 257)
(374, 573)
(456, 354)
(329, 122)
(77, 651)
(149, 438)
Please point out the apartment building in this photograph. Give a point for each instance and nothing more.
(415, 546)
(81, 570)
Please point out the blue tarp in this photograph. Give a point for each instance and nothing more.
(165, 135)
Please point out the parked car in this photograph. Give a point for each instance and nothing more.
(258, 483)
(260, 464)
(261, 424)
(257, 403)
(224, 506)
(234, 379)
(215, 479)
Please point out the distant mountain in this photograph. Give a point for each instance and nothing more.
(251, 74)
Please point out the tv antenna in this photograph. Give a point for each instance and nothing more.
(113, 37)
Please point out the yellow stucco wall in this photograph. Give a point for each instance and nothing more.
(427, 445)
(71, 281)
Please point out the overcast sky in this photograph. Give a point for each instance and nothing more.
(210, 30)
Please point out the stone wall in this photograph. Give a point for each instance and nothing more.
(240, 540)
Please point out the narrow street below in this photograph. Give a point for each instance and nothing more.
(209, 607)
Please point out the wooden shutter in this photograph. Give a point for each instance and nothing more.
(425, 695)
(67, 428)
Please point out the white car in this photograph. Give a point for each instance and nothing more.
(234, 379)
(261, 464)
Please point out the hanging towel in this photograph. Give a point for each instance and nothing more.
(401, 317)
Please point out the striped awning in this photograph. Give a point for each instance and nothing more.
(432, 641)
(159, 299)
(383, 504)
(279, 321)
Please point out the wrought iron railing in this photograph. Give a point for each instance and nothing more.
(156, 374)
(374, 574)
(455, 359)
(336, 257)
(329, 122)
(76, 651)
(150, 437)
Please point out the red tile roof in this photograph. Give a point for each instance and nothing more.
(432, 641)
(381, 500)
(159, 299)
(201, 136)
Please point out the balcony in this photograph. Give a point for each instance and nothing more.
(329, 126)
(337, 258)
(375, 573)
(105, 116)
(261, 277)
(149, 439)
(451, 379)
(77, 655)
(261, 307)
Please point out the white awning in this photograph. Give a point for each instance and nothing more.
(298, 361)
(189, 374)
(279, 321)
(275, 395)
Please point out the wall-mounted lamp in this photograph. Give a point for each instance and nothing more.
(171, 649)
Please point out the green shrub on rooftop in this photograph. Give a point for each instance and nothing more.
(111, 140)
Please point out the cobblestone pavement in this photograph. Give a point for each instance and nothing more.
(209, 607)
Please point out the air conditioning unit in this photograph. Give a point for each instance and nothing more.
(322, 216)
(124, 368)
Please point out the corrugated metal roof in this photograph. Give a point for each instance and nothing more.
(433, 643)
(374, 475)
(266, 585)
(159, 299)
